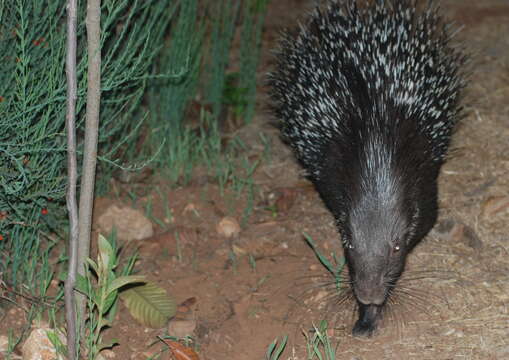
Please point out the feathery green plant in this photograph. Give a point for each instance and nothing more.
(32, 111)
(253, 20)
(201, 41)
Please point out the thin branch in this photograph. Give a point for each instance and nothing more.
(93, 22)
(70, 69)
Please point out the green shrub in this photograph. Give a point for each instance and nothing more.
(32, 111)
(201, 42)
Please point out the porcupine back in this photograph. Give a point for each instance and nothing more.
(353, 70)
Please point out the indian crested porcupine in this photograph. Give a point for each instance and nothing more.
(368, 94)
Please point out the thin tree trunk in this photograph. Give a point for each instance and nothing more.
(72, 208)
(93, 22)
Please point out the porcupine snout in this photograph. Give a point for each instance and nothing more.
(368, 272)
(370, 289)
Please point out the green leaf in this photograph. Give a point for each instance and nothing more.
(103, 323)
(271, 349)
(125, 280)
(109, 301)
(149, 304)
(93, 265)
(108, 344)
(282, 346)
(106, 254)
(272, 353)
(82, 285)
(325, 262)
(56, 342)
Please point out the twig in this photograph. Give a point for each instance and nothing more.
(30, 299)
(70, 69)
(91, 133)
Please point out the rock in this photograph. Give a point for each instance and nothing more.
(183, 323)
(108, 354)
(181, 328)
(228, 227)
(130, 224)
(39, 347)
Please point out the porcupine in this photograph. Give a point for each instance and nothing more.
(369, 95)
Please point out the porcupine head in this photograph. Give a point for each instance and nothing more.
(369, 97)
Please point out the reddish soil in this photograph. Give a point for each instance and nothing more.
(459, 306)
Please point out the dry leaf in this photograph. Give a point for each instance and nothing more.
(188, 302)
(180, 351)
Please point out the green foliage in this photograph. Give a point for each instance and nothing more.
(32, 111)
(168, 98)
(149, 304)
(253, 20)
(12, 342)
(101, 285)
(193, 66)
(201, 43)
(60, 347)
(274, 352)
(319, 345)
(224, 14)
(335, 270)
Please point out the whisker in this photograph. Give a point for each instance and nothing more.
(428, 274)
(393, 315)
(406, 301)
(416, 297)
(421, 294)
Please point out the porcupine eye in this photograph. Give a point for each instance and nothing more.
(396, 249)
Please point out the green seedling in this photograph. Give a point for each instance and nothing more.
(260, 282)
(336, 269)
(267, 148)
(179, 247)
(101, 285)
(274, 352)
(234, 261)
(319, 344)
(252, 262)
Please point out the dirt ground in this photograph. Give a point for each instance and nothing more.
(459, 308)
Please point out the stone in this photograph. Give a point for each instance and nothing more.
(181, 328)
(39, 347)
(228, 227)
(129, 224)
